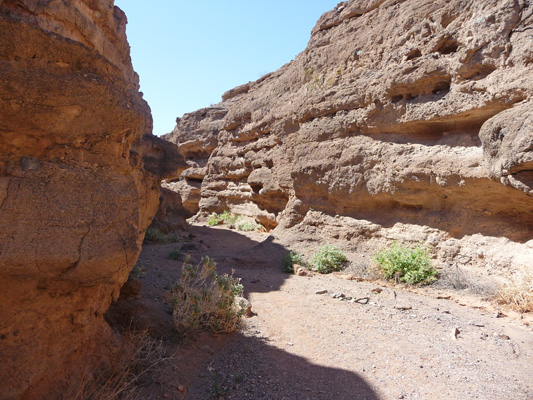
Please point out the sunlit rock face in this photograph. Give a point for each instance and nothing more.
(401, 120)
(75, 196)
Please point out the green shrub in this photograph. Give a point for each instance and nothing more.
(248, 226)
(154, 235)
(138, 271)
(202, 299)
(175, 254)
(327, 259)
(172, 237)
(214, 219)
(226, 216)
(290, 259)
(407, 264)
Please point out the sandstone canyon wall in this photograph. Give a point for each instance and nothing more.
(79, 184)
(402, 120)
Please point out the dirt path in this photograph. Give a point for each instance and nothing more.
(303, 345)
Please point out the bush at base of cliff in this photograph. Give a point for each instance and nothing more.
(290, 259)
(406, 264)
(518, 295)
(139, 354)
(154, 235)
(328, 259)
(248, 226)
(204, 300)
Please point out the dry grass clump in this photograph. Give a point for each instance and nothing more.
(518, 295)
(204, 300)
(118, 380)
(457, 278)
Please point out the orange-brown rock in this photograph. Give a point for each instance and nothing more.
(402, 120)
(196, 135)
(75, 198)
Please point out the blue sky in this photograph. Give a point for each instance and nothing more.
(188, 53)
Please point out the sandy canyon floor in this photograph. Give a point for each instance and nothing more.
(395, 343)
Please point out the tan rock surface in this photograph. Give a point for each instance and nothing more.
(74, 196)
(402, 120)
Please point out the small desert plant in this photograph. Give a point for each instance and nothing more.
(518, 295)
(138, 270)
(290, 259)
(214, 219)
(202, 299)
(248, 226)
(407, 264)
(222, 218)
(175, 254)
(226, 216)
(139, 354)
(458, 278)
(327, 259)
(154, 235)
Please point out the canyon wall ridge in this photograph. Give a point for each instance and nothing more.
(401, 120)
(79, 184)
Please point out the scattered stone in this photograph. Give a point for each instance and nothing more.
(478, 324)
(290, 344)
(338, 296)
(348, 277)
(363, 300)
(499, 314)
(377, 290)
(323, 291)
(403, 308)
(302, 271)
(444, 297)
(247, 305)
(455, 333)
(502, 337)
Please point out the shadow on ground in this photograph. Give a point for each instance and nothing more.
(237, 366)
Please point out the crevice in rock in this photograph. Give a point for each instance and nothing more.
(441, 88)
(428, 204)
(449, 46)
(413, 54)
(80, 246)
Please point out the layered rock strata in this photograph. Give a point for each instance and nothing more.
(401, 120)
(196, 135)
(79, 184)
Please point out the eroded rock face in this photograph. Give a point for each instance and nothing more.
(196, 135)
(402, 120)
(75, 198)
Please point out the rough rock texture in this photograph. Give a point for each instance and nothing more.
(74, 196)
(196, 135)
(402, 120)
(170, 215)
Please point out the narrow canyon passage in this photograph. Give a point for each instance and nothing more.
(303, 345)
